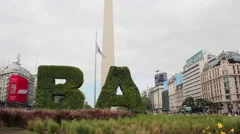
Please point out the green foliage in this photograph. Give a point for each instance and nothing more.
(147, 103)
(189, 102)
(82, 128)
(52, 127)
(120, 77)
(38, 126)
(197, 105)
(30, 125)
(65, 127)
(154, 124)
(86, 107)
(72, 98)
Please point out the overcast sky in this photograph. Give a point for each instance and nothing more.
(149, 35)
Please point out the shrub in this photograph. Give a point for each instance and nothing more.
(9, 120)
(31, 125)
(65, 127)
(1, 123)
(46, 88)
(52, 127)
(38, 126)
(120, 77)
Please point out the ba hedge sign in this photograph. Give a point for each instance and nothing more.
(67, 96)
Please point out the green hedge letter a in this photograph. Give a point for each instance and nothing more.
(60, 96)
(120, 77)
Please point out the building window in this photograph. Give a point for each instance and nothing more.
(225, 72)
(227, 97)
(236, 83)
(235, 78)
(225, 78)
(227, 92)
(226, 84)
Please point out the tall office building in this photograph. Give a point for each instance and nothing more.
(192, 72)
(108, 40)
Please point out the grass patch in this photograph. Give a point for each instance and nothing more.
(150, 124)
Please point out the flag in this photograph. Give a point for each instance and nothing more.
(98, 50)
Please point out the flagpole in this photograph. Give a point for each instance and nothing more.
(95, 71)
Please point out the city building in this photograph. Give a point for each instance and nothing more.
(165, 97)
(175, 92)
(150, 95)
(108, 40)
(156, 97)
(11, 77)
(160, 78)
(220, 81)
(171, 89)
(145, 93)
(155, 94)
(191, 74)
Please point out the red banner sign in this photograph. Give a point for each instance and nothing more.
(17, 90)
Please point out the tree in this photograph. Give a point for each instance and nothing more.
(197, 105)
(189, 102)
(147, 103)
(86, 107)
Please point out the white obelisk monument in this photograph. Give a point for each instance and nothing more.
(108, 40)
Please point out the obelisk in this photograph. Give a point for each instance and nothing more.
(108, 40)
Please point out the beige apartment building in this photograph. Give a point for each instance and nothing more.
(155, 95)
(171, 91)
(220, 81)
(175, 93)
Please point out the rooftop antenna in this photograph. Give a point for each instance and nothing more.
(18, 59)
(156, 71)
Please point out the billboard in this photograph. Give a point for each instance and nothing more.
(195, 58)
(160, 78)
(17, 89)
(179, 79)
(165, 85)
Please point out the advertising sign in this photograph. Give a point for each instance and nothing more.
(179, 78)
(188, 108)
(17, 89)
(165, 85)
(160, 78)
(194, 59)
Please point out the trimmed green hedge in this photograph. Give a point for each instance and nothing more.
(120, 77)
(46, 88)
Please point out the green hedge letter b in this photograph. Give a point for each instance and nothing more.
(120, 77)
(60, 96)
